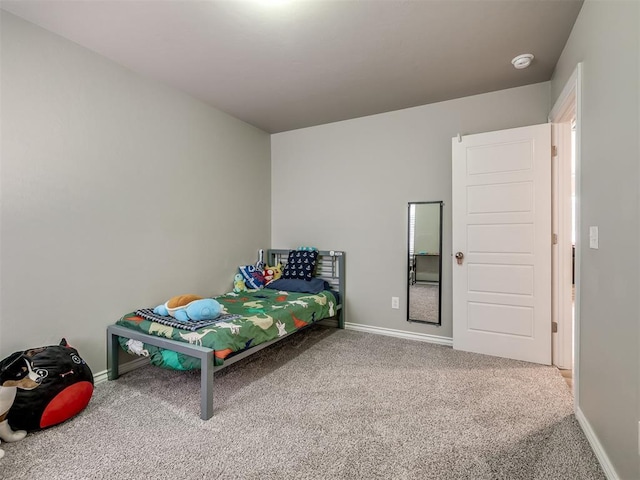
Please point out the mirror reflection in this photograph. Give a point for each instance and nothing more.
(424, 262)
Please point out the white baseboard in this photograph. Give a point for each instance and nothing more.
(103, 376)
(390, 332)
(603, 458)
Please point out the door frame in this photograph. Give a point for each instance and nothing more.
(561, 223)
(569, 102)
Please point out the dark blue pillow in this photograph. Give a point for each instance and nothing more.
(300, 265)
(315, 285)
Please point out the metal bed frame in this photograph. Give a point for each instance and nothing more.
(330, 267)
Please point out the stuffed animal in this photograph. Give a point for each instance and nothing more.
(272, 273)
(16, 371)
(189, 307)
(239, 285)
(65, 387)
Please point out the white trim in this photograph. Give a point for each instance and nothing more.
(390, 332)
(574, 87)
(600, 452)
(561, 258)
(577, 267)
(569, 89)
(103, 376)
(555, 284)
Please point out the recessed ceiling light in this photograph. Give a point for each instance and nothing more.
(522, 61)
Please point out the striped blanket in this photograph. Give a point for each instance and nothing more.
(147, 313)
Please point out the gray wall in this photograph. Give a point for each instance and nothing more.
(427, 227)
(346, 186)
(117, 193)
(605, 39)
(427, 240)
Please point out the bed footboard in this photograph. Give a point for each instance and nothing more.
(204, 354)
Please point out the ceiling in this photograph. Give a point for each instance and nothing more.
(283, 65)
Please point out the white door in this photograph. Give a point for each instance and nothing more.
(502, 227)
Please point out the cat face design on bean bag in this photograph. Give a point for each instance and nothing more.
(64, 390)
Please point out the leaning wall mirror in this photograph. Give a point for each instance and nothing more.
(424, 262)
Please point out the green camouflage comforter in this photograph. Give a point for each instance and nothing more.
(265, 314)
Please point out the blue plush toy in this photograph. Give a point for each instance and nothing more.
(190, 307)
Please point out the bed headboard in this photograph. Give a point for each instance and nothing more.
(329, 267)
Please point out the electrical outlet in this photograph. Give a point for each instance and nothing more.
(395, 302)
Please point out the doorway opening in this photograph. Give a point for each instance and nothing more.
(565, 254)
(565, 365)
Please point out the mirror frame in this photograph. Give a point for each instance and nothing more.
(409, 319)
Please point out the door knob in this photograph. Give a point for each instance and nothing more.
(459, 257)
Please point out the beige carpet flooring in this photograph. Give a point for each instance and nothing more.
(323, 404)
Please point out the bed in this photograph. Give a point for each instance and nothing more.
(252, 321)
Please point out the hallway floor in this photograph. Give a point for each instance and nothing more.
(568, 377)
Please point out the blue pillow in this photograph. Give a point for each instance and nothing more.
(300, 264)
(253, 277)
(315, 285)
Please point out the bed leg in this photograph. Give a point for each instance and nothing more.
(341, 319)
(206, 386)
(112, 355)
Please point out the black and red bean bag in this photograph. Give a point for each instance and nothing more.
(64, 390)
